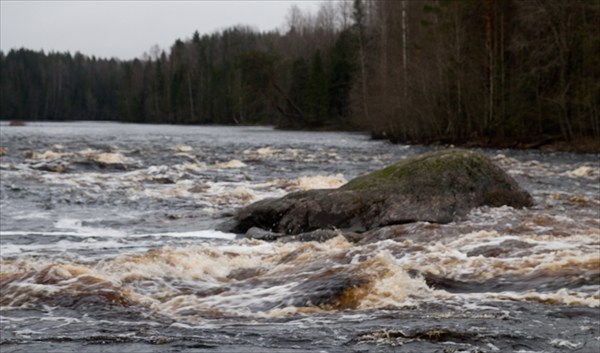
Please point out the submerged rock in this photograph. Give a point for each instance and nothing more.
(437, 187)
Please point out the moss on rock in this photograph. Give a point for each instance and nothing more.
(427, 170)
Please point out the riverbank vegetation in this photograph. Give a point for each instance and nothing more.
(486, 72)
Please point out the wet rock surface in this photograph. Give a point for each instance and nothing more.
(437, 187)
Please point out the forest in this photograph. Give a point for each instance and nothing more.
(488, 72)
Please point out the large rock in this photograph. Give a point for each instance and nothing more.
(436, 187)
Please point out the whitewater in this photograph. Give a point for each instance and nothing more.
(108, 243)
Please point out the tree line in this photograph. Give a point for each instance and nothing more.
(420, 71)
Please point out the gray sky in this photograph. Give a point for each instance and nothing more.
(127, 29)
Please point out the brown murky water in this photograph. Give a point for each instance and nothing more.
(108, 244)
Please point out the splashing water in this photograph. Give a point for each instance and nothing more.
(107, 237)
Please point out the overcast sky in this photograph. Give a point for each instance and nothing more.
(127, 29)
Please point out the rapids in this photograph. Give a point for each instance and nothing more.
(107, 243)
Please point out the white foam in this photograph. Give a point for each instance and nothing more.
(561, 343)
(26, 333)
(208, 234)
(48, 155)
(76, 225)
(183, 148)
(106, 158)
(232, 164)
(59, 247)
(316, 182)
(266, 151)
(561, 296)
(588, 172)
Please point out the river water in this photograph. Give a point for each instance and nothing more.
(108, 244)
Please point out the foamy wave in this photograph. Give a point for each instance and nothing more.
(81, 230)
(316, 182)
(183, 148)
(61, 248)
(60, 284)
(458, 258)
(266, 151)
(207, 234)
(232, 164)
(289, 154)
(109, 158)
(106, 158)
(46, 155)
(392, 285)
(560, 297)
(101, 158)
(588, 172)
(248, 277)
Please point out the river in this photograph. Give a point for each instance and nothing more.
(108, 244)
